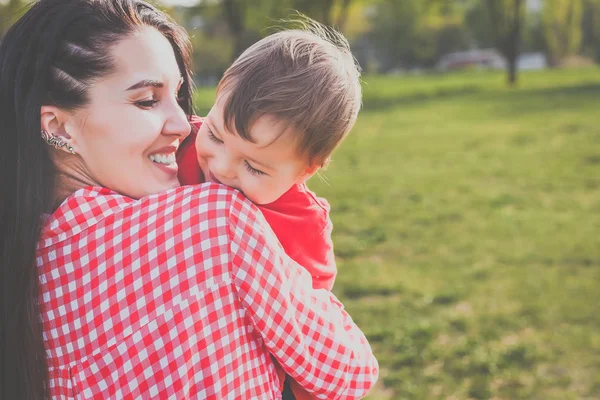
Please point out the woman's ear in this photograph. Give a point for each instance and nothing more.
(53, 126)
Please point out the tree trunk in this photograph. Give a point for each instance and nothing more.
(506, 25)
(512, 72)
(512, 44)
(234, 15)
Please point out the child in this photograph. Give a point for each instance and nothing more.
(281, 109)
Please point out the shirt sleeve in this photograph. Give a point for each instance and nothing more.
(301, 222)
(317, 257)
(305, 329)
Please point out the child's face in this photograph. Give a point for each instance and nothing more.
(264, 170)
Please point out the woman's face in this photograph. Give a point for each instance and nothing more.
(128, 134)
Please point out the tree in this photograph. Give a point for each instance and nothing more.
(416, 33)
(9, 13)
(234, 12)
(562, 28)
(590, 26)
(479, 23)
(533, 39)
(506, 22)
(395, 31)
(246, 24)
(343, 15)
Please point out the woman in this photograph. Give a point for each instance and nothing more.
(117, 282)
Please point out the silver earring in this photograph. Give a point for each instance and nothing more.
(57, 142)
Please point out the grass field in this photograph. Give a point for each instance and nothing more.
(467, 233)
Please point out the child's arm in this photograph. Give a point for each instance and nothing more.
(317, 257)
(307, 330)
(301, 222)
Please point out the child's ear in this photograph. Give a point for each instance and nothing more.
(308, 172)
(312, 169)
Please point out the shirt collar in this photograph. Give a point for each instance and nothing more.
(79, 211)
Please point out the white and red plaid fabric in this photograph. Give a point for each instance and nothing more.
(186, 295)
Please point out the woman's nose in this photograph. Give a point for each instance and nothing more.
(177, 123)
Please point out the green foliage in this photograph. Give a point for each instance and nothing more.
(479, 22)
(212, 54)
(414, 32)
(562, 26)
(386, 35)
(465, 224)
(591, 29)
(492, 21)
(533, 39)
(10, 11)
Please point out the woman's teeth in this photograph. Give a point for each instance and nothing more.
(166, 159)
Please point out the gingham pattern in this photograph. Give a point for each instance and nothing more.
(184, 295)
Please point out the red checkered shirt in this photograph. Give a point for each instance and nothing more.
(185, 295)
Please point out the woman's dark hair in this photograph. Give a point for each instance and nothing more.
(49, 57)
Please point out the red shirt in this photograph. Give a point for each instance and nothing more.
(299, 218)
(186, 294)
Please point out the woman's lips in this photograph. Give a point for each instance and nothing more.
(170, 169)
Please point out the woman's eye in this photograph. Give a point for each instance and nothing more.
(212, 137)
(253, 170)
(146, 103)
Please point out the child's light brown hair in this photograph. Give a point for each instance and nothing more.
(306, 77)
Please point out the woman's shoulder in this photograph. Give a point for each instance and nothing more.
(103, 198)
(183, 208)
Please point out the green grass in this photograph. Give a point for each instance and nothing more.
(467, 233)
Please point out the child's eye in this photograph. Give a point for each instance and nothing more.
(253, 170)
(212, 137)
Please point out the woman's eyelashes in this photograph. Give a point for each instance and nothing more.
(147, 104)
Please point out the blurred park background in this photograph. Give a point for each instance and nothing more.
(466, 201)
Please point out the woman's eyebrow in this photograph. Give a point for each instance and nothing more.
(146, 83)
(151, 83)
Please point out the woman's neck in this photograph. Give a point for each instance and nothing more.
(72, 176)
